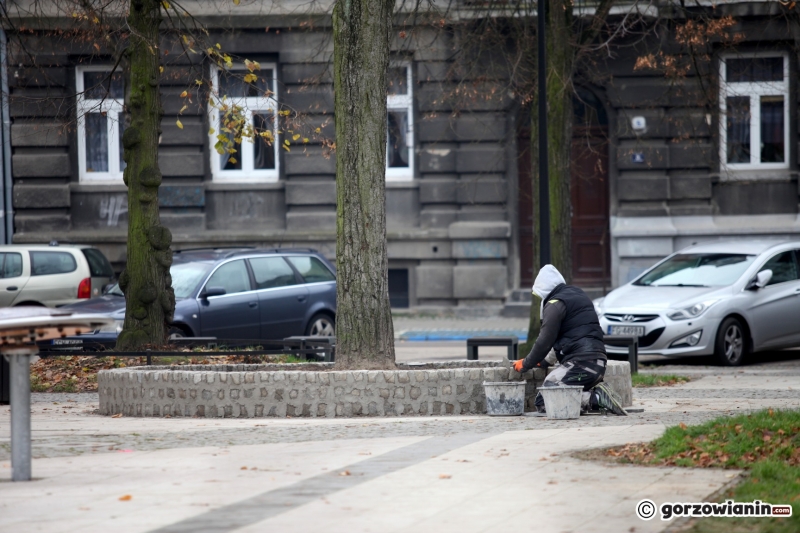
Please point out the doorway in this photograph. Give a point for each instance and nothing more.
(590, 243)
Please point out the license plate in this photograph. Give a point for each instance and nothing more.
(626, 331)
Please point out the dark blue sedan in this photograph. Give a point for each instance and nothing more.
(242, 294)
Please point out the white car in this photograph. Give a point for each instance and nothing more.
(51, 275)
(726, 299)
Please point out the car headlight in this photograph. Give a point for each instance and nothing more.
(598, 306)
(690, 312)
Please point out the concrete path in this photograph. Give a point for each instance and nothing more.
(465, 474)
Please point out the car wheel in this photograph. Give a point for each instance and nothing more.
(321, 325)
(176, 333)
(730, 348)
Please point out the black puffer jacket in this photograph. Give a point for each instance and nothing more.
(569, 326)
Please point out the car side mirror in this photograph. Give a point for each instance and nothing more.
(761, 280)
(213, 291)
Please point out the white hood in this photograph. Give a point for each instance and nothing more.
(548, 279)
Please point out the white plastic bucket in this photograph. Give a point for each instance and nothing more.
(505, 398)
(562, 403)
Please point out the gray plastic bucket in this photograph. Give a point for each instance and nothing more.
(562, 403)
(505, 398)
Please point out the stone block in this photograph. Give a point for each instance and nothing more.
(690, 186)
(44, 165)
(174, 164)
(308, 99)
(306, 47)
(688, 208)
(402, 207)
(643, 186)
(655, 120)
(477, 189)
(184, 222)
(434, 281)
(618, 377)
(691, 154)
(437, 158)
(190, 195)
(644, 246)
(479, 281)
(311, 161)
(480, 159)
(311, 192)
(193, 132)
(422, 249)
(49, 102)
(481, 213)
(246, 210)
(653, 92)
(688, 123)
(311, 221)
(435, 128)
(437, 191)
(481, 127)
(306, 73)
(480, 230)
(437, 217)
(643, 209)
(39, 134)
(41, 196)
(642, 155)
(428, 71)
(755, 198)
(38, 77)
(33, 223)
(480, 249)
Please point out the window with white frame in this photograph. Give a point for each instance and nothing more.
(255, 158)
(400, 123)
(101, 122)
(754, 118)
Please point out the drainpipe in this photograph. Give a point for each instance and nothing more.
(7, 231)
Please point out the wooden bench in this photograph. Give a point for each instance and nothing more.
(511, 342)
(633, 348)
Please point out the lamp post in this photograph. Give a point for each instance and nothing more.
(544, 181)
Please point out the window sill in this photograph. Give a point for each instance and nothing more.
(756, 175)
(244, 186)
(402, 183)
(99, 186)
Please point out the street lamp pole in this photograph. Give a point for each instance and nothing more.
(544, 181)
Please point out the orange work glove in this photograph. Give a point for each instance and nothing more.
(518, 364)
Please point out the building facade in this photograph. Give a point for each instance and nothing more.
(711, 154)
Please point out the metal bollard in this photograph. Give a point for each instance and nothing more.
(149, 358)
(20, 366)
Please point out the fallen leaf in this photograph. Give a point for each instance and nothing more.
(445, 476)
(125, 498)
(682, 425)
(118, 415)
(243, 468)
(344, 473)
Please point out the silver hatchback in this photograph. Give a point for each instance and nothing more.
(725, 299)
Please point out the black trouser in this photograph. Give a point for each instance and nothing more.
(587, 373)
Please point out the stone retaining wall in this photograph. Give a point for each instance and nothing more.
(307, 390)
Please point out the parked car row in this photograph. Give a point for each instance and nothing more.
(242, 294)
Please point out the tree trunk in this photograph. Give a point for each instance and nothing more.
(560, 58)
(364, 330)
(534, 323)
(146, 282)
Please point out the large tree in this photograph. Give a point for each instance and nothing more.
(145, 281)
(361, 36)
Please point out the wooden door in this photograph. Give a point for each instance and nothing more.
(590, 211)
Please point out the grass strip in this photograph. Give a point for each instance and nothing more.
(765, 443)
(657, 380)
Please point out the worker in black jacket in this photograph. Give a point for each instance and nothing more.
(570, 327)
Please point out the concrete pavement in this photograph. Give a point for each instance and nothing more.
(465, 474)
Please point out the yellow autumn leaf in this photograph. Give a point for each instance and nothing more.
(286, 142)
(295, 136)
(317, 130)
(286, 148)
(184, 94)
(179, 124)
(236, 2)
(211, 131)
(184, 108)
(161, 69)
(165, 4)
(305, 140)
(250, 78)
(218, 46)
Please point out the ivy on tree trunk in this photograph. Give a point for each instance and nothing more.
(146, 281)
(364, 330)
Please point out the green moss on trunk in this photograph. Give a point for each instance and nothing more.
(148, 294)
(361, 34)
